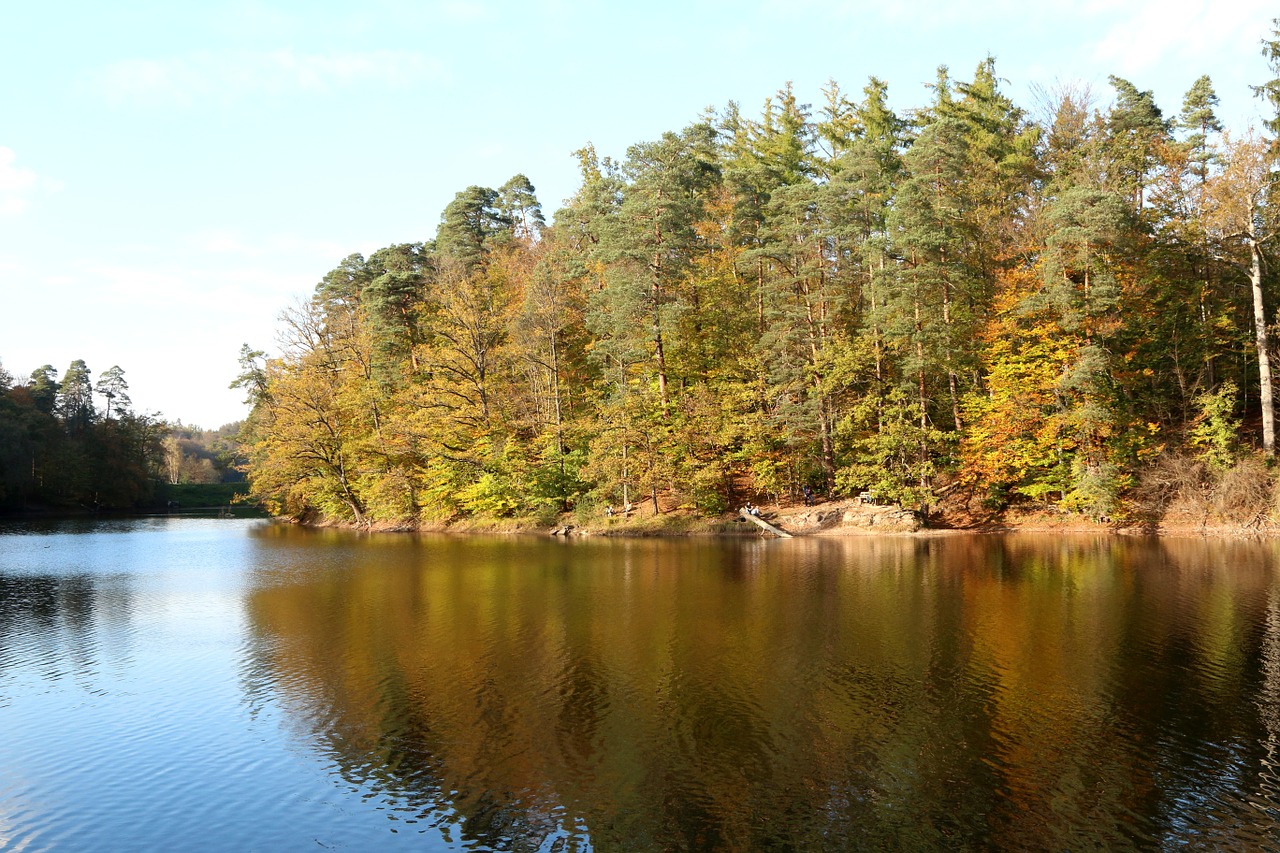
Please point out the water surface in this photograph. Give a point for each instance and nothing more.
(234, 684)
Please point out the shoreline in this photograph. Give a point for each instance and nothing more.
(832, 519)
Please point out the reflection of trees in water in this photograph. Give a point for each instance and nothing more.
(49, 624)
(960, 693)
(1268, 784)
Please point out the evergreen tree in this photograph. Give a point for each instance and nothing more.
(1270, 90)
(1135, 129)
(341, 287)
(1199, 120)
(649, 245)
(112, 385)
(394, 300)
(44, 387)
(75, 398)
(469, 225)
(518, 204)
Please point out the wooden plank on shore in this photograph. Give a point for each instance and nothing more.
(776, 531)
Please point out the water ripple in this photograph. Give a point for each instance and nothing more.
(971, 694)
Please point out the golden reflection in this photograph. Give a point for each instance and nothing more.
(966, 692)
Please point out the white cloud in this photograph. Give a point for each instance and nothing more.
(16, 184)
(1143, 35)
(228, 75)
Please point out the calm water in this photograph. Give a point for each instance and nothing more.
(237, 685)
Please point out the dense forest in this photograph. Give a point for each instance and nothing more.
(60, 451)
(970, 302)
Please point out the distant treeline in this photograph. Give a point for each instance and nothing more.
(966, 299)
(59, 450)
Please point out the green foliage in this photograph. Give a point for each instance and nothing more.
(1048, 483)
(893, 454)
(112, 385)
(548, 480)
(518, 204)
(1095, 488)
(490, 496)
(1270, 90)
(469, 225)
(1135, 127)
(75, 397)
(1216, 429)
(1199, 119)
(43, 388)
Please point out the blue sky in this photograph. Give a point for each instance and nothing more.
(173, 175)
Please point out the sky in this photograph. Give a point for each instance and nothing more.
(174, 175)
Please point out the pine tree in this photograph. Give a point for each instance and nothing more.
(112, 385)
(44, 387)
(648, 246)
(469, 225)
(75, 398)
(518, 204)
(1199, 120)
(1270, 90)
(863, 185)
(394, 298)
(1135, 127)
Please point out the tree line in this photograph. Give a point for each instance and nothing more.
(967, 299)
(59, 449)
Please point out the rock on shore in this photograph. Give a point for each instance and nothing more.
(848, 517)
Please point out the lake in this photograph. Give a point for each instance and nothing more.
(233, 684)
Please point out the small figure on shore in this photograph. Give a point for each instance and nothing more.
(808, 495)
(609, 511)
(752, 509)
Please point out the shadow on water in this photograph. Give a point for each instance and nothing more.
(960, 693)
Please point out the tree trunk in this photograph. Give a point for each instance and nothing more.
(659, 353)
(951, 372)
(1264, 357)
(555, 391)
(655, 290)
(626, 496)
(919, 335)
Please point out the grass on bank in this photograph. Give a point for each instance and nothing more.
(200, 495)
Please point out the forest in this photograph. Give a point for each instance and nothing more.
(969, 304)
(57, 450)
(60, 451)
